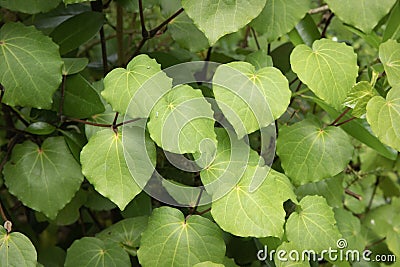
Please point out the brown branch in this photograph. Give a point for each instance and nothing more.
(318, 9)
(340, 116)
(253, 32)
(351, 193)
(327, 23)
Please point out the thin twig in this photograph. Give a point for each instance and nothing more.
(328, 21)
(255, 38)
(373, 193)
(61, 105)
(90, 123)
(126, 122)
(345, 121)
(318, 9)
(145, 33)
(340, 116)
(351, 193)
(1, 92)
(103, 51)
(203, 212)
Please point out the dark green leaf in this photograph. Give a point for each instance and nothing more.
(29, 6)
(77, 30)
(40, 128)
(74, 65)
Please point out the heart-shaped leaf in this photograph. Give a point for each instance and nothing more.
(121, 85)
(259, 213)
(384, 117)
(181, 120)
(91, 251)
(310, 153)
(279, 17)
(16, 250)
(30, 66)
(389, 53)
(248, 98)
(104, 165)
(41, 171)
(329, 69)
(217, 18)
(313, 225)
(172, 240)
(362, 14)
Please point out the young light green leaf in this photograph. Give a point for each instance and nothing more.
(259, 213)
(384, 117)
(16, 249)
(358, 98)
(104, 165)
(389, 53)
(120, 85)
(77, 30)
(182, 26)
(208, 264)
(222, 171)
(313, 225)
(74, 65)
(30, 66)
(181, 120)
(217, 18)
(172, 240)
(91, 251)
(248, 98)
(369, 12)
(310, 153)
(329, 69)
(80, 98)
(49, 171)
(29, 6)
(279, 17)
(126, 233)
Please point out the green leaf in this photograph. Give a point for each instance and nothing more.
(16, 249)
(358, 129)
(80, 98)
(248, 98)
(91, 251)
(181, 120)
(259, 213)
(329, 69)
(217, 18)
(310, 152)
(126, 233)
(208, 264)
(384, 117)
(305, 32)
(77, 30)
(369, 12)
(170, 240)
(259, 59)
(139, 206)
(74, 65)
(279, 17)
(389, 53)
(40, 128)
(67, 2)
(120, 85)
(393, 236)
(49, 171)
(30, 6)
(70, 213)
(350, 228)
(358, 98)
(104, 165)
(312, 225)
(30, 66)
(392, 30)
(223, 171)
(331, 189)
(182, 26)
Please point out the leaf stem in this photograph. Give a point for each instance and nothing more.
(90, 123)
(253, 32)
(345, 121)
(61, 105)
(373, 193)
(327, 23)
(120, 34)
(340, 116)
(146, 35)
(1, 92)
(351, 193)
